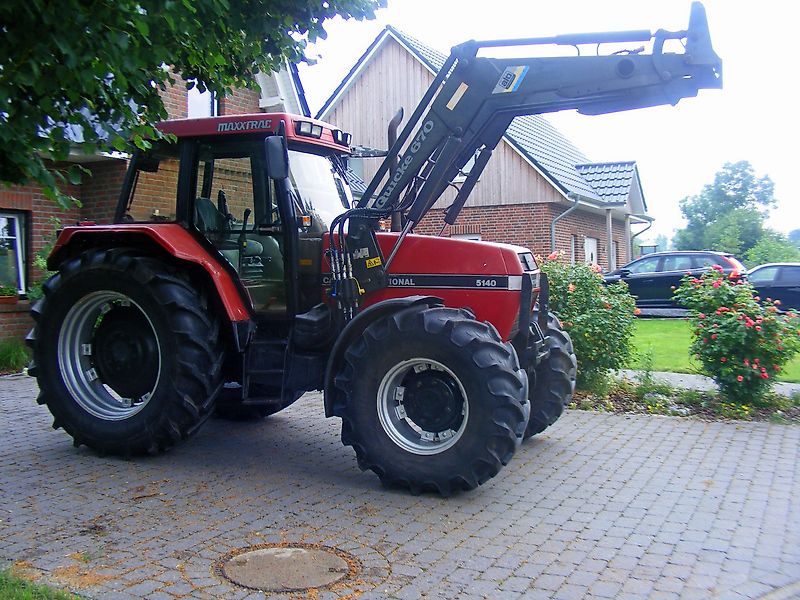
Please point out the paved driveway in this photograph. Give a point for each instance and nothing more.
(601, 505)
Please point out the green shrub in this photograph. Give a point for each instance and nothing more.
(34, 291)
(599, 318)
(741, 342)
(13, 356)
(8, 290)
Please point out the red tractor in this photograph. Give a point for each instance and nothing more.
(239, 274)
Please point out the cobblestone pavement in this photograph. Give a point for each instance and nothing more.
(599, 506)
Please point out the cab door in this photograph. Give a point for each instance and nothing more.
(236, 211)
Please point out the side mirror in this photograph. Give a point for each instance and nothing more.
(624, 272)
(277, 157)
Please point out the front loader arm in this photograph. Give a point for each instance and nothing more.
(473, 100)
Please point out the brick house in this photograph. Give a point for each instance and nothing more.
(538, 189)
(28, 218)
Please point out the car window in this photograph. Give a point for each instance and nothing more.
(680, 262)
(790, 275)
(646, 265)
(765, 275)
(701, 261)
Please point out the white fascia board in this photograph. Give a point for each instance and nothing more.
(287, 89)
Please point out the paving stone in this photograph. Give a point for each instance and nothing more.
(601, 506)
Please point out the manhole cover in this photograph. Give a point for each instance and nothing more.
(287, 567)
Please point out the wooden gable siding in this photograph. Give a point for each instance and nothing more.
(392, 78)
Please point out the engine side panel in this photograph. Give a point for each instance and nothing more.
(483, 277)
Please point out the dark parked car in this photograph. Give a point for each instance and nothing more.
(778, 281)
(652, 277)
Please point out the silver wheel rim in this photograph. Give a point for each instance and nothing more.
(396, 422)
(76, 361)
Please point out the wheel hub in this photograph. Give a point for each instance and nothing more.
(109, 355)
(432, 400)
(126, 354)
(422, 406)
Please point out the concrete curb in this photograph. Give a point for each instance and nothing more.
(690, 381)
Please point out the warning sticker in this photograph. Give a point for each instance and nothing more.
(510, 80)
(373, 262)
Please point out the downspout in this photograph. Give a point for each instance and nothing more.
(553, 223)
(610, 241)
(637, 234)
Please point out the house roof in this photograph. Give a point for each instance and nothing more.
(538, 142)
(612, 180)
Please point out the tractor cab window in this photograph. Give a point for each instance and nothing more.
(155, 185)
(318, 189)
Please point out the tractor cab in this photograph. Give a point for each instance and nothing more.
(218, 187)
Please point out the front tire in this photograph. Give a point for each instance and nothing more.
(126, 353)
(554, 381)
(434, 400)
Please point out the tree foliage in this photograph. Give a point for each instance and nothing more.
(772, 247)
(92, 71)
(727, 215)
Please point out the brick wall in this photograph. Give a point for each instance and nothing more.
(528, 225)
(241, 101)
(39, 211)
(174, 98)
(15, 320)
(100, 191)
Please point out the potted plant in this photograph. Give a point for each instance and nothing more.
(8, 294)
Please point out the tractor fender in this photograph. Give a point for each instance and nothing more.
(355, 328)
(169, 239)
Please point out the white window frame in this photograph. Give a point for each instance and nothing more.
(473, 237)
(201, 104)
(573, 240)
(19, 246)
(596, 244)
(614, 255)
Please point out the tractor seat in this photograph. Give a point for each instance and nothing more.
(206, 216)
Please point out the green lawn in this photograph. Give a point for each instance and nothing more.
(668, 340)
(15, 588)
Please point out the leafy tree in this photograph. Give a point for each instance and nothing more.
(93, 70)
(736, 189)
(662, 242)
(735, 231)
(772, 247)
(794, 237)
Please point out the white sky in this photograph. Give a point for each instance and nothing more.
(678, 149)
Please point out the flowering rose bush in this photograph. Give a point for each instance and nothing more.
(599, 318)
(741, 342)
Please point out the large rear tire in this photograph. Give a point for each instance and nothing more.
(434, 400)
(126, 353)
(554, 381)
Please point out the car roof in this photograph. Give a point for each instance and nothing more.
(672, 252)
(776, 264)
